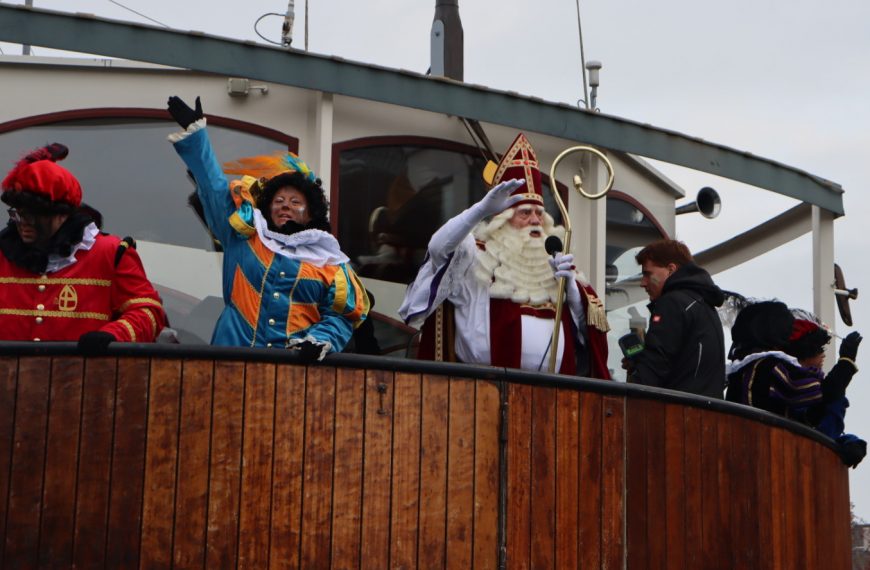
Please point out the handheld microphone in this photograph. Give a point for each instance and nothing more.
(553, 245)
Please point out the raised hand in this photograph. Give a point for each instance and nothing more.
(849, 345)
(182, 113)
(499, 198)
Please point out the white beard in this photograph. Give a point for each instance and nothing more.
(515, 264)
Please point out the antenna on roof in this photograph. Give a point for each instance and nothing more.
(287, 28)
(25, 49)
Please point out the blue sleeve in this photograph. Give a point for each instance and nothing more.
(212, 185)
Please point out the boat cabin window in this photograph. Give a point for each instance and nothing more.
(392, 197)
(630, 227)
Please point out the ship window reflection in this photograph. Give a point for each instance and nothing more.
(131, 174)
(393, 198)
(629, 229)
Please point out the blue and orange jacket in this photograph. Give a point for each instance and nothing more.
(269, 298)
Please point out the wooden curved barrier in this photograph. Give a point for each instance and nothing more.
(159, 459)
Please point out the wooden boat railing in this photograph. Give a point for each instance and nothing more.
(161, 456)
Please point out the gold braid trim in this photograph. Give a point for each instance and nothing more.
(55, 281)
(60, 314)
(153, 322)
(140, 301)
(129, 328)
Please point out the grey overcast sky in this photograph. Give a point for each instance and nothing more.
(784, 80)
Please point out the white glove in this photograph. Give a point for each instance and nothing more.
(563, 266)
(499, 198)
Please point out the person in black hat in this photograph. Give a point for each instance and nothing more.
(776, 366)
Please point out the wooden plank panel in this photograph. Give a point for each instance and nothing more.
(724, 459)
(128, 463)
(433, 472)
(636, 476)
(287, 479)
(161, 452)
(710, 530)
(694, 446)
(376, 470)
(460, 474)
(519, 428)
(8, 385)
(656, 507)
(760, 471)
(318, 468)
(191, 497)
(486, 474)
(568, 495)
(791, 556)
(61, 463)
(256, 490)
(744, 511)
(613, 483)
(406, 471)
(777, 519)
(543, 484)
(225, 466)
(27, 470)
(590, 474)
(347, 475)
(92, 498)
(675, 486)
(806, 513)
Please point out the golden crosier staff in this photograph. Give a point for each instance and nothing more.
(567, 244)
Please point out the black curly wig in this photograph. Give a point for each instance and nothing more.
(809, 344)
(318, 207)
(35, 203)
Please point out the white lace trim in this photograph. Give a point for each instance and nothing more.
(736, 365)
(89, 238)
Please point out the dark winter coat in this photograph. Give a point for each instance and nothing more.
(684, 345)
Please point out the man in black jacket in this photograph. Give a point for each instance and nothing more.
(684, 346)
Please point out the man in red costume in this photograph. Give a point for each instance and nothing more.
(61, 279)
(501, 285)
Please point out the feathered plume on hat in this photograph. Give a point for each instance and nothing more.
(39, 174)
(268, 166)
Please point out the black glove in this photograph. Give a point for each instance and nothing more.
(95, 342)
(849, 346)
(853, 452)
(307, 351)
(184, 115)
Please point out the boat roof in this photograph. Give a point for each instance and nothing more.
(198, 51)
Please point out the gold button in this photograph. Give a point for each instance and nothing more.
(276, 295)
(268, 345)
(43, 276)
(40, 307)
(36, 340)
(282, 274)
(271, 321)
(39, 320)
(41, 287)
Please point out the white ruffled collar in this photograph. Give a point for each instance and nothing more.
(316, 247)
(89, 238)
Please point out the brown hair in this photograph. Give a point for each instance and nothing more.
(665, 251)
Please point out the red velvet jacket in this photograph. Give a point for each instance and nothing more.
(91, 294)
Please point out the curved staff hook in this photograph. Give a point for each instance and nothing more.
(554, 342)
